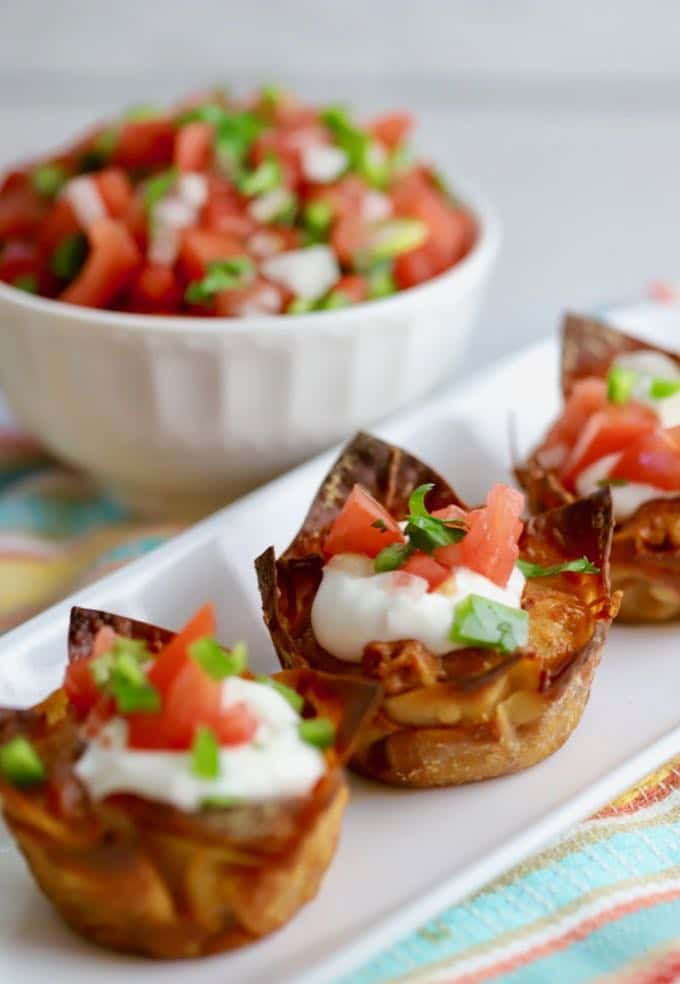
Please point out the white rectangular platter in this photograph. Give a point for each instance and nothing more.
(404, 855)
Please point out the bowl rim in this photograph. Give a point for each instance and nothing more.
(480, 255)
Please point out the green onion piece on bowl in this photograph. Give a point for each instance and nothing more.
(229, 274)
(620, 383)
(48, 179)
(318, 217)
(205, 754)
(295, 699)
(335, 300)
(380, 281)
(478, 621)
(69, 256)
(20, 764)
(28, 282)
(301, 305)
(317, 731)
(661, 389)
(265, 177)
(394, 237)
(218, 662)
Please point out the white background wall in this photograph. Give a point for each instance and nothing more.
(566, 113)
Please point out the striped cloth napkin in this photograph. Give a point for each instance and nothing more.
(601, 904)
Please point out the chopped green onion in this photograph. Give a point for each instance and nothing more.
(20, 764)
(158, 187)
(317, 731)
(334, 300)
(27, 282)
(222, 275)
(271, 96)
(133, 698)
(401, 160)
(604, 483)
(392, 557)
(660, 389)
(300, 305)
(69, 256)
(392, 238)
(295, 699)
(144, 111)
(205, 754)
(379, 524)
(218, 662)
(580, 566)
(364, 153)
(620, 383)
(120, 672)
(317, 218)
(208, 113)
(478, 621)
(380, 282)
(265, 177)
(49, 179)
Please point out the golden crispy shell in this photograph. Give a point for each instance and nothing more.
(473, 713)
(143, 877)
(645, 556)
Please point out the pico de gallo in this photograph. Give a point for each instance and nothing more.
(231, 208)
(185, 724)
(450, 579)
(620, 430)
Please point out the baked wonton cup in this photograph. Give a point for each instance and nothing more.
(645, 555)
(141, 876)
(474, 713)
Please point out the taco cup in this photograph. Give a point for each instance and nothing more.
(484, 672)
(149, 846)
(620, 426)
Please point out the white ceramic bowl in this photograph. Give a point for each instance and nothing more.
(182, 414)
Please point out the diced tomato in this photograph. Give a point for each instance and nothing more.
(145, 143)
(60, 222)
(490, 546)
(190, 697)
(172, 657)
(21, 211)
(451, 556)
(201, 247)
(155, 290)
(115, 188)
(194, 146)
(449, 229)
(654, 459)
(353, 286)
(606, 432)
(350, 236)
(224, 212)
(427, 567)
(111, 263)
(345, 197)
(392, 129)
(354, 529)
(587, 396)
(79, 684)
(17, 259)
(136, 220)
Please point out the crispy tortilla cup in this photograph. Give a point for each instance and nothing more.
(474, 713)
(143, 877)
(645, 557)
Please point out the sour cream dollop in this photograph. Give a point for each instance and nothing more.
(354, 606)
(276, 764)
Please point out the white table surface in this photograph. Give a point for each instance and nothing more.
(565, 115)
